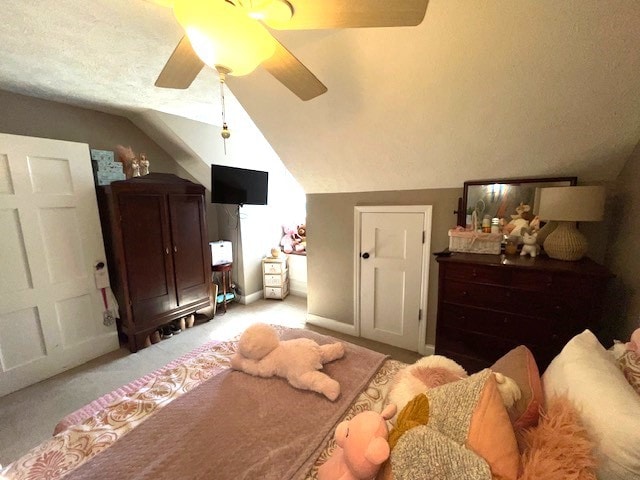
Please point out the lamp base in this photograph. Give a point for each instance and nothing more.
(545, 231)
(566, 243)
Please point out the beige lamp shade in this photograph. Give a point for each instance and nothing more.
(567, 205)
(572, 204)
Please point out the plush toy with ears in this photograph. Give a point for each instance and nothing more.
(261, 353)
(362, 447)
(530, 246)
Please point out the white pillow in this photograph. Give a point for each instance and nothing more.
(608, 405)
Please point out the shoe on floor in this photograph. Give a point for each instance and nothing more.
(165, 332)
(175, 328)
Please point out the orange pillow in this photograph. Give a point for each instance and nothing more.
(520, 365)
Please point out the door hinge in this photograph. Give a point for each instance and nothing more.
(419, 314)
(424, 236)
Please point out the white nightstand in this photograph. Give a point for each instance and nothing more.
(275, 272)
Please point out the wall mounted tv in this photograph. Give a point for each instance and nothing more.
(238, 186)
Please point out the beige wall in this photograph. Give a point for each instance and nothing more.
(330, 242)
(29, 116)
(623, 253)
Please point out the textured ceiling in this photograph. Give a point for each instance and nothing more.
(481, 89)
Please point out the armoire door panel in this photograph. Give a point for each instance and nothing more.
(190, 260)
(148, 260)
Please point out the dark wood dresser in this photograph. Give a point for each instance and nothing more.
(489, 304)
(155, 235)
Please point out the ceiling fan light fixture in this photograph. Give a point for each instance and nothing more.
(223, 35)
(269, 11)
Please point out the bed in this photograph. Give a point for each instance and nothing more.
(177, 423)
(87, 438)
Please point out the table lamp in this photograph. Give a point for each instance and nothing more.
(566, 206)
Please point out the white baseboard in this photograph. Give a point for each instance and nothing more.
(331, 324)
(253, 297)
(427, 350)
(297, 288)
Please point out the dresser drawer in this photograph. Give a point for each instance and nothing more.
(475, 351)
(550, 282)
(518, 328)
(485, 349)
(476, 273)
(478, 295)
(559, 305)
(271, 280)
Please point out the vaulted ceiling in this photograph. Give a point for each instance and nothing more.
(481, 89)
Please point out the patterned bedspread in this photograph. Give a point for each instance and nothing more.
(72, 447)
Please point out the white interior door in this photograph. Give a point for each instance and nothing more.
(392, 249)
(50, 308)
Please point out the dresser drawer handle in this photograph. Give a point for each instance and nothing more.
(465, 293)
(474, 273)
(505, 320)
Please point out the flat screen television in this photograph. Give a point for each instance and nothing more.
(238, 186)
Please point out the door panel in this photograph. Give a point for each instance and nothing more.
(191, 262)
(50, 309)
(391, 277)
(146, 244)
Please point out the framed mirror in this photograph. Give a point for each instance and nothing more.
(499, 198)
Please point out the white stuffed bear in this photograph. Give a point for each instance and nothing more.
(261, 353)
(530, 246)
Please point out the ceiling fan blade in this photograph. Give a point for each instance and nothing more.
(315, 14)
(182, 67)
(293, 74)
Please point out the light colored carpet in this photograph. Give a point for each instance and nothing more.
(27, 417)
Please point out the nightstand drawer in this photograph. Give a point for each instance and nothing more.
(277, 292)
(273, 267)
(275, 280)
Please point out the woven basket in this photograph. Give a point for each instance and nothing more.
(474, 242)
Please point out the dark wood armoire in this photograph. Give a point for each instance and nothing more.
(155, 235)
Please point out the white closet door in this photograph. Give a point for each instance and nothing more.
(50, 241)
(393, 273)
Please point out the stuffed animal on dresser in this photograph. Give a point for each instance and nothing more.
(530, 246)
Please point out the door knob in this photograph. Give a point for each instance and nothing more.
(364, 255)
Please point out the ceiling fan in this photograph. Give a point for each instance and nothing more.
(230, 36)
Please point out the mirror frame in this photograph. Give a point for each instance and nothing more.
(514, 182)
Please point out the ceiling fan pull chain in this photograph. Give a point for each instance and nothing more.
(225, 133)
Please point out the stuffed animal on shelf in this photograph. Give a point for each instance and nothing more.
(530, 246)
(362, 447)
(302, 233)
(261, 353)
(290, 241)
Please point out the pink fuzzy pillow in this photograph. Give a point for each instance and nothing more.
(559, 448)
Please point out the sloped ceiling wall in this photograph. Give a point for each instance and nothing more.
(482, 89)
